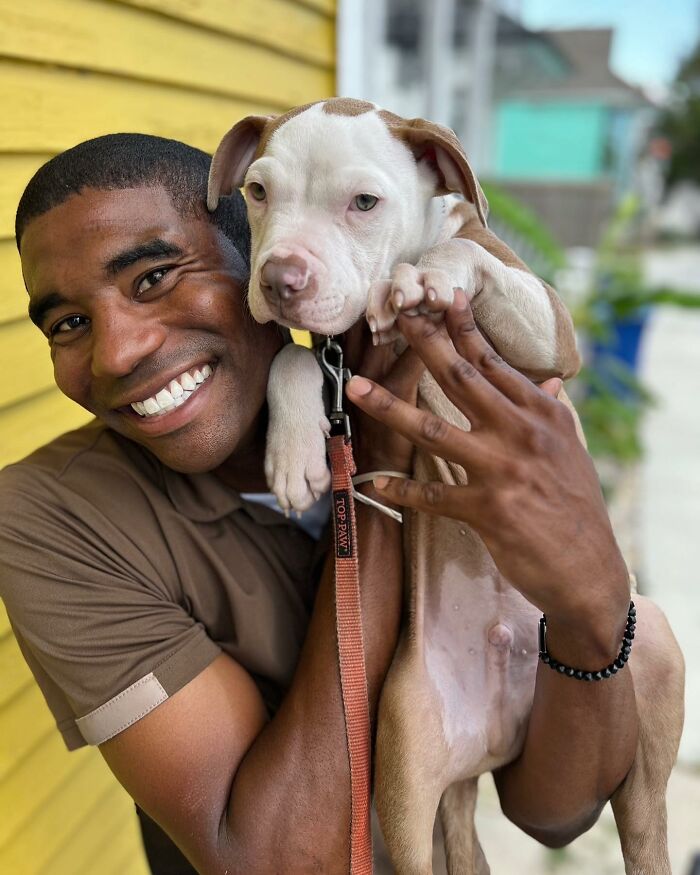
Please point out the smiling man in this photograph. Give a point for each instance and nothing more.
(173, 619)
(162, 610)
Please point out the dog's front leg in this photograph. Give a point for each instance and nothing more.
(522, 315)
(295, 456)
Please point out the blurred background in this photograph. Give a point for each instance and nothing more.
(582, 120)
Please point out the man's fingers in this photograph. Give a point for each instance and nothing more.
(459, 377)
(404, 376)
(437, 498)
(424, 430)
(473, 346)
(552, 386)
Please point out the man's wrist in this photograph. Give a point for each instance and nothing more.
(591, 637)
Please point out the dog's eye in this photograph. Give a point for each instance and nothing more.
(366, 202)
(257, 191)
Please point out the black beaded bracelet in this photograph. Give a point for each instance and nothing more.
(581, 674)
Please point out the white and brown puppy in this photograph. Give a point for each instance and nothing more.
(355, 211)
(343, 200)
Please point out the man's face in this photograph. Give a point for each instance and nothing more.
(136, 299)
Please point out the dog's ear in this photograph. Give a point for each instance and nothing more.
(233, 157)
(439, 147)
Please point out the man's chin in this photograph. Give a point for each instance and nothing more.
(187, 453)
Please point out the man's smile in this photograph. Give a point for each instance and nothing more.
(175, 393)
(175, 405)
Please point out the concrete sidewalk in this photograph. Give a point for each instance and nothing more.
(669, 520)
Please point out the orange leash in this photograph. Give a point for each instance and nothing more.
(348, 612)
(351, 654)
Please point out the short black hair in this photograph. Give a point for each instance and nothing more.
(118, 161)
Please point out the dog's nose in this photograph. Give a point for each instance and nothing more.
(286, 276)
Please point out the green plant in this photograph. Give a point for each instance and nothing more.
(610, 421)
(611, 399)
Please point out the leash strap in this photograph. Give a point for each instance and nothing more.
(351, 653)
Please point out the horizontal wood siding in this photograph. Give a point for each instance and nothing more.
(70, 70)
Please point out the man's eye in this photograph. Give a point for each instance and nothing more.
(151, 279)
(70, 323)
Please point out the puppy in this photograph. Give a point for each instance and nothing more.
(354, 210)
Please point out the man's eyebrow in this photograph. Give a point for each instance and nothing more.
(39, 309)
(155, 248)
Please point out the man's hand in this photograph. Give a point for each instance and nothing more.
(377, 447)
(533, 495)
(534, 498)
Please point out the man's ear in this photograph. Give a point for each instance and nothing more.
(233, 157)
(439, 147)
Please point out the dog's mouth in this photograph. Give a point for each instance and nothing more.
(322, 317)
(322, 314)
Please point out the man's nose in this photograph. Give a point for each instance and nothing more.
(122, 337)
(288, 275)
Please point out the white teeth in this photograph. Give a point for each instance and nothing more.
(174, 395)
(164, 399)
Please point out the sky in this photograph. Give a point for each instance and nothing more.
(651, 36)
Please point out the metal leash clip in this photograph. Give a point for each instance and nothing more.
(338, 376)
(330, 356)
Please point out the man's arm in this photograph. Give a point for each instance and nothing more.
(242, 795)
(533, 497)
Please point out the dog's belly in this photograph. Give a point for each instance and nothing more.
(478, 638)
(474, 635)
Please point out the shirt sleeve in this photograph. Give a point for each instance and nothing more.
(102, 633)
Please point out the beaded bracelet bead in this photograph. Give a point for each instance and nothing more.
(581, 674)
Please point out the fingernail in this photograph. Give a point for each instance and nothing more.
(372, 324)
(380, 482)
(399, 298)
(359, 386)
(460, 299)
(432, 295)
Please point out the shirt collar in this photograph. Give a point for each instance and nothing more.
(205, 498)
(202, 498)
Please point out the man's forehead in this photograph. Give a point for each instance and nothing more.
(95, 225)
(103, 209)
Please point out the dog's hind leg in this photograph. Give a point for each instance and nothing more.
(408, 783)
(407, 818)
(462, 849)
(639, 804)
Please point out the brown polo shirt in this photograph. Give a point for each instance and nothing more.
(124, 579)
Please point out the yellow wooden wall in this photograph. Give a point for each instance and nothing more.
(69, 70)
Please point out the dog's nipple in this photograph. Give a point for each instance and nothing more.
(500, 637)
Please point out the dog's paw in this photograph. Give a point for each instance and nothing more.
(411, 290)
(295, 466)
